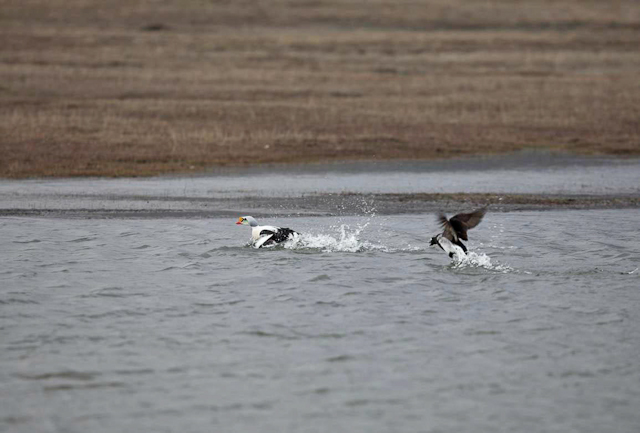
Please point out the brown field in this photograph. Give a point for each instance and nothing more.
(144, 87)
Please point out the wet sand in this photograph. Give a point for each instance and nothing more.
(338, 205)
(520, 181)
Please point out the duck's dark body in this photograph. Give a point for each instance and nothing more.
(436, 241)
(262, 236)
(276, 236)
(455, 228)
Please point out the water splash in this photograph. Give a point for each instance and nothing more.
(345, 239)
(478, 260)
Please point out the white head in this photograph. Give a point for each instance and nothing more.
(247, 221)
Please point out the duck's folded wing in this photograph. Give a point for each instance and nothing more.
(283, 234)
(277, 234)
(263, 240)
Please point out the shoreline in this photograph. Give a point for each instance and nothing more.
(347, 204)
(527, 158)
(351, 163)
(531, 180)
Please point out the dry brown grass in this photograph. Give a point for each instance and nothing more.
(146, 87)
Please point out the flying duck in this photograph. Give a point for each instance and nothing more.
(263, 236)
(455, 229)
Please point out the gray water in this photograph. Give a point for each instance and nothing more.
(177, 325)
(110, 322)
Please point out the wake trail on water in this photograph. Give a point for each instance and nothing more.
(344, 238)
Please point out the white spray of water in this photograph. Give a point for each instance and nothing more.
(478, 260)
(345, 239)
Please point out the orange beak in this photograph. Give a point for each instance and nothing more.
(238, 222)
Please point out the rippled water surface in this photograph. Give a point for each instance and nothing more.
(177, 325)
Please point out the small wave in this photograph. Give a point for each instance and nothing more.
(478, 260)
(69, 387)
(83, 239)
(17, 301)
(75, 375)
(30, 241)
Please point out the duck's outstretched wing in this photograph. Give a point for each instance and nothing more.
(448, 230)
(471, 219)
(457, 226)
